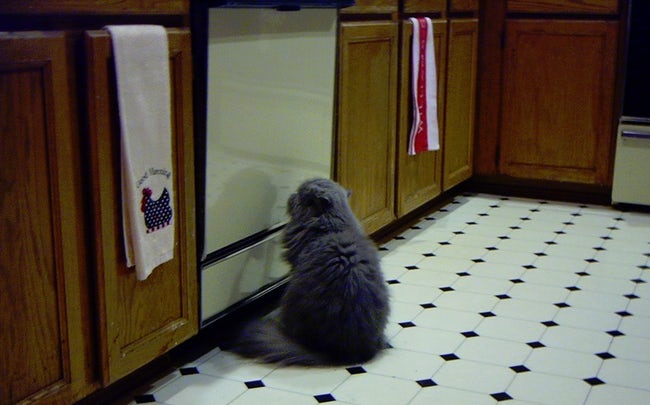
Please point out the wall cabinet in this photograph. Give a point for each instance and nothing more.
(73, 317)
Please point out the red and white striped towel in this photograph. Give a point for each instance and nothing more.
(424, 132)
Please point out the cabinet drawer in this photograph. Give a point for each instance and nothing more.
(463, 5)
(95, 7)
(425, 6)
(564, 6)
(372, 7)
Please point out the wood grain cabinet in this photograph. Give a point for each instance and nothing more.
(140, 320)
(458, 139)
(46, 334)
(548, 89)
(367, 99)
(73, 318)
(558, 90)
(424, 176)
(375, 110)
(419, 177)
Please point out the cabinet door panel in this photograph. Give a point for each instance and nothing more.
(141, 319)
(563, 6)
(366, 119)
(419, 176)
(458, 144)
(556, 121)
(45, 324)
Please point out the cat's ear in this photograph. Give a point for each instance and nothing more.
(348, 192)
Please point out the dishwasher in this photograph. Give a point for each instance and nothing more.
(264, 114)
(631, 182)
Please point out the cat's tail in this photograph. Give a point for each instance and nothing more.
(263, 339)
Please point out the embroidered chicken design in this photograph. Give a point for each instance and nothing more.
(157, 213)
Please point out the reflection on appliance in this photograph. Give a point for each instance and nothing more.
(269, 110)
(631, 183)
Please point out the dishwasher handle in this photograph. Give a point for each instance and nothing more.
(635, 134)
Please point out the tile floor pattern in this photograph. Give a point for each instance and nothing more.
(494, 300)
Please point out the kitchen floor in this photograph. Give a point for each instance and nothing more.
(494, 300)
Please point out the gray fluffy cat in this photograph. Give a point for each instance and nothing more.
(335, 306)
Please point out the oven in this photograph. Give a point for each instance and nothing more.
(631, 182)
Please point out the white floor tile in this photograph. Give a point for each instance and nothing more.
(376, 389)
(640, 307)
(631, 348)
(448, 319)
(502, 352)
(447, 395)
(200, 389)
(485, 378)
(234, 367)
(626, 373)
(548, 389)
(539, 292)
(310, 381)
(405, 364)
(550, 277)
(412, 293)
(482, 285)
(565, 363)
(587, 319)
(465, 301)
(597, 300)
(636, 326)
(268, 396)
(428, 278)
(516, 330)
(525, 310)
(612, 394)
(427, 340)
(579, 340)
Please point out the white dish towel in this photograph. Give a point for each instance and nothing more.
(424, 134)
(143, 90)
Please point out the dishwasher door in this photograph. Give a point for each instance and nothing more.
(631, 183)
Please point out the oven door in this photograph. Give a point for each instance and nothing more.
(632, 165)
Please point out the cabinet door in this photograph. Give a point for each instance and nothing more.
(140, 320)
(45, 322)
(556, 121)
(419, 176)
(367, 118)
(458, 138)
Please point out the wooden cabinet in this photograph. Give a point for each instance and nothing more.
(556, 113)
(373, 133)
(372, 7)
(563, 6)
(367, 98)
(547, 99)
(462, 63)
(135, 327)
(45, 332)
(73, 317)
(419, 177)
